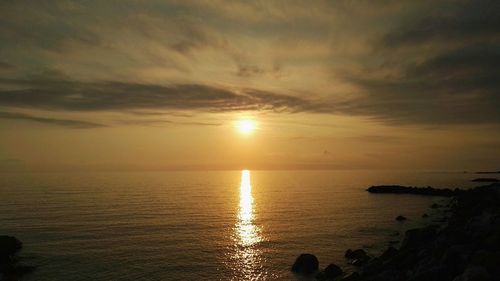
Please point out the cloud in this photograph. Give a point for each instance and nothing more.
(53, 121)
(459, 21)
(5, 65)
(148, 122)
(437, 69)
(398, 62)
(119, 96)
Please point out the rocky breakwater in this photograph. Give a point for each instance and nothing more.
(465, 247)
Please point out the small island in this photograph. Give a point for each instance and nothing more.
(399, 189)
(485, 180)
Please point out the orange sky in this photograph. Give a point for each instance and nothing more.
(330, 85)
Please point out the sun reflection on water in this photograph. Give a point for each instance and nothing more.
(247, 235)
(247, 231)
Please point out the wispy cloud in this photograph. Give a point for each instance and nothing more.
(78, 124)
(433, 62)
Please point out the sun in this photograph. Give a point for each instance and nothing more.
(245, 126)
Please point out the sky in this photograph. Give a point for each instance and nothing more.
(160, 85)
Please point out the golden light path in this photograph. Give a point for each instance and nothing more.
(248, 255)
(247, 231)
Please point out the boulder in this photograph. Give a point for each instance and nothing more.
(357, 257)
(332, 271)
(356, 254)
(435, 273)
(389, 253)
(9, 245)
(401, 218)
(351, 277)
(425, 215)
(306, 264)
(418, 237)
(474, 273)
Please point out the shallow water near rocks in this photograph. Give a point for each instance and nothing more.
(227, 225)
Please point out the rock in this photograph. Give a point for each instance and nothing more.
(435, 273)
(392, 275)
(351, 277)
(454, 261)
(356, 254)
(425, 215)
(332, 271)
(418, 237)
(474, 273)
(306, 264)
(435, 206)
(401, 218)
(9, 246)
(389, 253)
(373, 266)
(488, 260)
(10, 269)
(358, 257)
(320, 276)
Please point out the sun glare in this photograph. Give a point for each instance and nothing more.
(245, 126)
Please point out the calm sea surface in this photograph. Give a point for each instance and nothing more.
(232, 225)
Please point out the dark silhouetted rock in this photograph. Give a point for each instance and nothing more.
(485, 180)
(425, 215)
(306, 264)
(351, 277)
(9, 246)
(466, 247)
(389, 253)
(374, 266)
(356, 254)
(435, 206)
(10, 269)
(358, 257)
(419, 236)
(332, 271)
(474, 273)
(399, 189)
(432, 273)
(401, 218)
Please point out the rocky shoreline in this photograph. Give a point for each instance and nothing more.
(464, 247)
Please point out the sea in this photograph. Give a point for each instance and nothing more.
(206, 225)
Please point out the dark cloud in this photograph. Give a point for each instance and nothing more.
(442, 57)
(378, 139)
(148, 122)
(5, 65)
(60, 122)
(454, 79)
(246, 70)
(457, 22)
(42, 25)
(118, 96)
(249, 70)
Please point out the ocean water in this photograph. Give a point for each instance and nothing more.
(230, 225)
